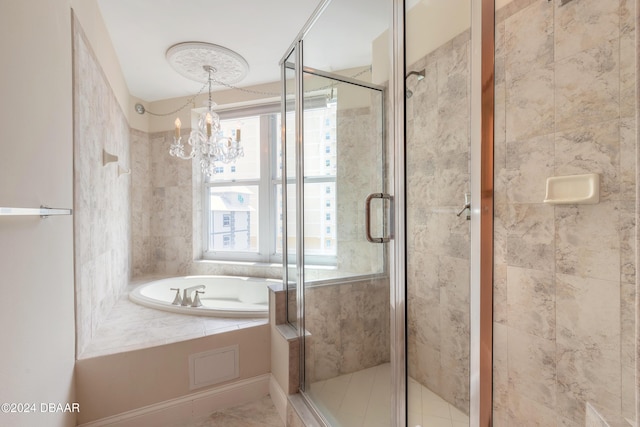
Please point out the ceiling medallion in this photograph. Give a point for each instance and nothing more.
(193, 60)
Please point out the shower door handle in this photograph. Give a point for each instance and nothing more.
(367, 224)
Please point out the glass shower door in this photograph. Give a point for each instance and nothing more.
(438, 143)
(346, 284)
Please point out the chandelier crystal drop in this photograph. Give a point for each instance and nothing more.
(207, 141)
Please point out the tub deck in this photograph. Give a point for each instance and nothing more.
(131, 326)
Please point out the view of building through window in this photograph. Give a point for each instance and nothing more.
(233, 193)
(240, 222)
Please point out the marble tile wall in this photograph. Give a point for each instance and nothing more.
(163, 218)
(564, 288)
(347, 326)
(359, 150)
(437, 240)
(142, 254)
(102, 204)
(348, 322)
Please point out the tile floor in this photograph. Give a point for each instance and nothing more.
(427, 409)
(361, 399)
(356, 400)
(260, 413)
(130, 326)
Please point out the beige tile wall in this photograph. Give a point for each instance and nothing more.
(359, 150)
(437, 240)
(163, 219)
(348, 321)
(102, 204)
(564, 291)
(348, 327)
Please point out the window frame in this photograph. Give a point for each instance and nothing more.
(266, 183)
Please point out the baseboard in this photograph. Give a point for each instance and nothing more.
(279, 398)
(192, 407)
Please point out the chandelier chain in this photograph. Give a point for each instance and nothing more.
(189, 102)
(256, 92)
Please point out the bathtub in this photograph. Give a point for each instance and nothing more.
(224, 296)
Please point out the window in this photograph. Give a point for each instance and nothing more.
(328, 230)
(232, 196)
(328, 217)
(243, 200)
(327, 162)
(327, 149)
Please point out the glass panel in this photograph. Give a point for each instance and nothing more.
(346, 287)
(438, 240)
(346, 364)
(233, 220)
(320, 139)
(320, 221)
(290, 165)
(276, 192)
(249, 166)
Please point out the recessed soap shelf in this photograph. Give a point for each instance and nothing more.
(573, 189)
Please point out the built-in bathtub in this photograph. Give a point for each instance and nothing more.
(223, 296)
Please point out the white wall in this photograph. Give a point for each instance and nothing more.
(432, 22)
(36, 256)
(95, 30)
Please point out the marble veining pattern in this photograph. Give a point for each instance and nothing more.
(348, 327)
(438, 240)
(102, 205)
(355, 180)
(595, 95)
(165, 217)
(564, 288)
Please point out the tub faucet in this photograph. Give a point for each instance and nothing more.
(177, 300)
(186, 295)
(196, 299)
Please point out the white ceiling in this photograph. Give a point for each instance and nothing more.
(259, 30)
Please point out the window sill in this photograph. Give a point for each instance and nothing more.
(238, 263)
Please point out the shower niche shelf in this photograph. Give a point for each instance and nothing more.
(573, 190)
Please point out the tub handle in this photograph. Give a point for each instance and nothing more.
(177, 300)
(196, 299)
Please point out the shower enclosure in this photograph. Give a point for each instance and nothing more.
(438, 215)
(380, 211)
(338, 272)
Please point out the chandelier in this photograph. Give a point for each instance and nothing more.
(207, 140)
(200, 61)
